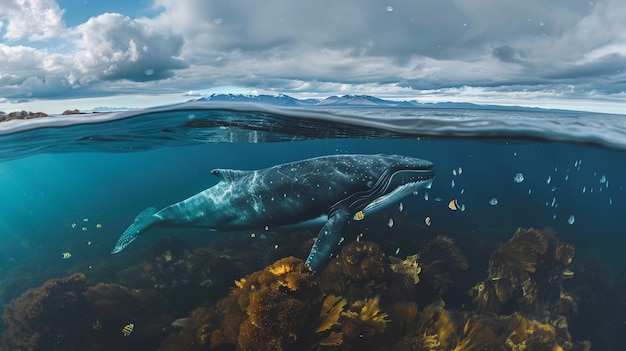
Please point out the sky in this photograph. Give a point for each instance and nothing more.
(66, 54)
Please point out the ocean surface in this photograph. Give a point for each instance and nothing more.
(71, 185)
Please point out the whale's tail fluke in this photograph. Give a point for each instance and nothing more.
(143, 221)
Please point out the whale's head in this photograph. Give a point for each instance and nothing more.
(397, 177)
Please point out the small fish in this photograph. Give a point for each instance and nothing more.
(518, 178)
(401, 207)
(98, 225)
(493, 201)
(84, 229)
(427, 221)
(66, 255)
(390, 222)
(453, 205)
(85, 219)
(571, 219)
(452, 183)
(128, 329)
(460, 171)
(358, 216)
(73, 225)
(454, 172)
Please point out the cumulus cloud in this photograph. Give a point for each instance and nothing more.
(112, 47)
(31, 19)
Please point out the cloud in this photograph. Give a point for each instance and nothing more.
(566, 49)
(31, 19)
(114, 47)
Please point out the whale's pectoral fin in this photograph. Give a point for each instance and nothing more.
(143, 221)
(328, 239)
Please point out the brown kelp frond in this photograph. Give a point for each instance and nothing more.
(519, 256)
(480, 333)
(440, 260)
(331, 309)
(408, 267)
(436, 328)
(369, 312)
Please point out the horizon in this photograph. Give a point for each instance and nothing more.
(158, 52)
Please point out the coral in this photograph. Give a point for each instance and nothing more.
(532, 263)
(440, 260)
(357, 273)
(408, 267)
(50, 317)
(65, 314)
(272, 309)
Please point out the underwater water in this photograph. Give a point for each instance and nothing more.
(72, 185)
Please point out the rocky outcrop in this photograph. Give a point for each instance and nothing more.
(21, 115)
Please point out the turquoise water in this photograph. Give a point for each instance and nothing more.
(73, 184)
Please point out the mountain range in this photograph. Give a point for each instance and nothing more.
(351, 101)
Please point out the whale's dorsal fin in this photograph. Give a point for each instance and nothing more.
(228, 175)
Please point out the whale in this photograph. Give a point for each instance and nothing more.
(336, 189)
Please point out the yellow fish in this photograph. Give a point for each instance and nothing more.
(66, 255)
(453, 205)
(359, 216)
(427, 221)
(128, 328)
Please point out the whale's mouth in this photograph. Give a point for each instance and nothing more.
(394, 186)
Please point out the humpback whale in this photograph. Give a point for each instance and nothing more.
(340, 188)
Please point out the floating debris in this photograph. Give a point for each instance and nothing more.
(493, 201)
(571, 219)
(276, 247)
(438, 199)
(566, 176)
(584, 189)
(426, 196)
(454, 172)
(85, 219)
(397, 251)
(603, 179)
(462, 191)
(460, 171)
(610, 201)
(553, 189)
(518, 178)
(73, 225)
(89, 243)
(128, 329)
(530, 191)
(427, 221)
(549, 180)
(390, 223)
(84, 229)
(98, 225)
(66, 255)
